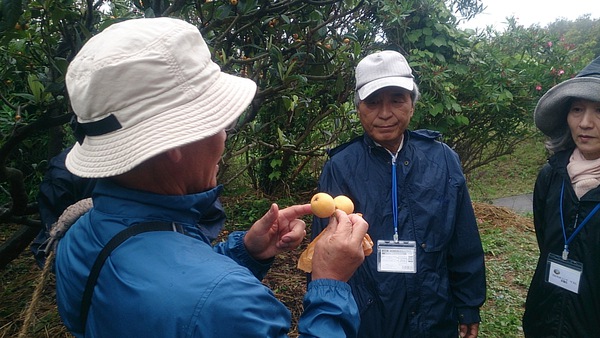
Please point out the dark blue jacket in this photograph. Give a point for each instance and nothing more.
(435, 211)
(58, 190)
(551, 311)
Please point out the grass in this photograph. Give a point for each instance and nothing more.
(510, 255)
(509, 175)
(508, 240)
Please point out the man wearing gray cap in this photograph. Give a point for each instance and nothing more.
(152, 109)
(427, 276)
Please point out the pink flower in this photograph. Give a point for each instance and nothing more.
(538, 88)
(549, 43)
(561, 72)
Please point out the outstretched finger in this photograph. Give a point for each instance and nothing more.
(263, 225)
(295, 211)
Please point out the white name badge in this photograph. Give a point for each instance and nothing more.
(397, 256)
(564, 273)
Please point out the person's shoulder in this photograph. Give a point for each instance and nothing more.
(348, 146)
(552, 166)
(426, 135)
(429, 141)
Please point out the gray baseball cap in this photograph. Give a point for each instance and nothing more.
(383, 69)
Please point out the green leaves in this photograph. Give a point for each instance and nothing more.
(10, 12)
(477, 90)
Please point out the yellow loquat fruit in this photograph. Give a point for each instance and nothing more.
(344, 203)
(322, 205)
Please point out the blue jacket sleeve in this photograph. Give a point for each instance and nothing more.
(235, 249)
(329, 307)
(466, 266)
(329, 310)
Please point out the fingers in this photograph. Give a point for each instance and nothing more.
(296, 211)
(295, 236)
(339, 252)
(469, 330)
(359, 225)
(462, 330)
(352, 226)
(264, 223)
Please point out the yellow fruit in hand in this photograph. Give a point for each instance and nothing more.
(322, 205)
(344, 203)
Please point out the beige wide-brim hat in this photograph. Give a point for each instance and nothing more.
(550, 114)
(142, 87)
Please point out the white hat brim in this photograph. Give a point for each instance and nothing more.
(550, 114)
(396, 81)
(119, 151)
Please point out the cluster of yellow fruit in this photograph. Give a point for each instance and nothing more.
(323, 205)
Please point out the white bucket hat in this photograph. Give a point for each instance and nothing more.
(382, 69)
(550, 114)
(142, 87)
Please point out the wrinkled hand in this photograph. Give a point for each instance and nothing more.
(277, 231)
(469, 330)
(338, 253)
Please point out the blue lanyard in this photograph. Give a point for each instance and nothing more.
(395, 199)
(565, 253)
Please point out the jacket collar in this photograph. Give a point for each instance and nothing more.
(113, 199)
(559, 162)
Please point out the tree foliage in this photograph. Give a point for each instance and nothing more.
(479, 88)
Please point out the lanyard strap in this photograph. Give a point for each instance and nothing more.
(112, 244)
(395, 198)
(577, 228)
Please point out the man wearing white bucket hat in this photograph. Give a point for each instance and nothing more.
(428, 276)
(151, 112)
(564, 295)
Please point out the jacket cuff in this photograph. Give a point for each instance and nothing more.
(468, 315)
(239, 253)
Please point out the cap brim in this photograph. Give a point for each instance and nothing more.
(120, 151)
(550, 114)
(373, 86)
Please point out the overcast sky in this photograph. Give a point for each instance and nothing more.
(530, 12)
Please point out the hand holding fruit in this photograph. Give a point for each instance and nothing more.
(338, 252)
(277, 231)
(324, 206)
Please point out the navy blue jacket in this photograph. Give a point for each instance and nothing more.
(551, 311)
(435, 211)
(58, 190)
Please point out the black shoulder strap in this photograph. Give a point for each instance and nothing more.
(114, 242)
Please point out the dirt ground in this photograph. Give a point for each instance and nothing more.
(21, 277)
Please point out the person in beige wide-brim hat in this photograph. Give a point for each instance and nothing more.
(152, 109)
(138, 92)
(563, 298)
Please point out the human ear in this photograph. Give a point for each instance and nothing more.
(175, 155)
